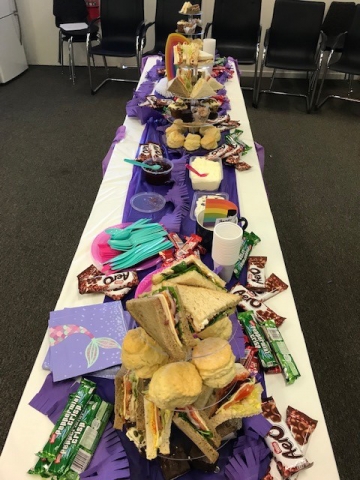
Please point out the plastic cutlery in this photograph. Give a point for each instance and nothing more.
(139, 164)
(192, 169)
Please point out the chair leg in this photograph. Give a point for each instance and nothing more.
(259, 81)
(89, 65)
(272, 79)
(93, 59)
(59, 46)
(317, 104)
(255, 76)
(61, 52)
(350, 91)
(106, 66)
(72, 61)
(314, 83)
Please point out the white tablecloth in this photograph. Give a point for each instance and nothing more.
(30, 429)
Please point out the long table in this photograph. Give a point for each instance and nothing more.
(30, 429)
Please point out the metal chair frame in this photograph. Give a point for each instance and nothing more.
(256, 63)
(312, 80)
(319, 104)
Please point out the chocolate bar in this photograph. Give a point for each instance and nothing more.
(144, 152)
(104, 283)
(257, 339)
(256, 274)
(287, 453)
(219, 152)
(248, 243)
(188, 248)
(278, 346)
(301, 426)
(249, 301)
(117, 294)
(155, 151)
(220, 119)
(91, 271)
(242, 166)
(274, 286)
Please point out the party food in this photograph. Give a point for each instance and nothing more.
(210, 129)
(204, 309)
(222, 329)
(101, 283)
(300, 425)
(162, 317)
(288, 455)
(129, 402)
(256, 274)
(175, 139)
(175, 385)
(245, 401)
(214, 171)
(189, 9)
(249, 301)
(284, 357)
(70, 414)
(192, 142)
(200, 430)
(157, 429)
(274, 285)
(257, 339)
(141, 353)
(214, 361)
(248, 243)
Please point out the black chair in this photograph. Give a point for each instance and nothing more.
(166, 18)
(122, 27)
(71, 11)
(237, 30)
(292, 43)
(349, 61)
(337, 20)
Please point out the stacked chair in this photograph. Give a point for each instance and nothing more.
(71, 11)
(349, 60)
(292, 43)
(236, 27)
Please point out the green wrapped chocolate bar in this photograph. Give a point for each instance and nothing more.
(284, 357)
(41, 468)
(248, 243)
(69, 449)
(68, 418)
(257, 339)
(88, 443)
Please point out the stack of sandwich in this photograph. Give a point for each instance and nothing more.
(190, 55)
(178, 368)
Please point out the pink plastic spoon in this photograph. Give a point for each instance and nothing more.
(192, 169)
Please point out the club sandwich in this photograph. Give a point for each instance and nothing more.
(129, 405)
(157, 429)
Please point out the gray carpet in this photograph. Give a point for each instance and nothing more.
(53, 137)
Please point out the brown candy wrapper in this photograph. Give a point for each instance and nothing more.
(288, 455)
(274, 286)
(115, 286)
(250, 301)
(256, 274)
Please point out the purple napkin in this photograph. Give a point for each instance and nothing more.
(120, 135)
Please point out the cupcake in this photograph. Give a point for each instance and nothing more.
(177, 108)
(213, 105)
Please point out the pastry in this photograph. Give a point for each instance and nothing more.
(175, 140)
(211, 130)
(192, 142)
(208, 142)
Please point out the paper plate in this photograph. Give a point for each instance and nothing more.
(145, 284)
(103, 237)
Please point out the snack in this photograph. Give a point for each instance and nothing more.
(274, 285)
(175, 385)
(208, 142)
(249, 301)
(257, 339)
(202, 89)
(189, 9)
(157, 429)
(70, 414)
(200, 113)
(301, 426)
(190, 271)
(197, 426)
(191, 243)
(288, 455)
(177, 108)
(285, 359)
(248, 243)
(214, 171)
(148, 151)
(177, 126)
(102, 283)
(214, 361)
(210, 129)
(219, 152)
(163, 318)
(245, 401)
(70, 447)
(192, 142)
(141, 353)
(251, 361)
(214, 84)
(175, 140)
(204, 308)
(129, 401)
(256, 274)
(179, 87)
(222, 329)
(161, 176)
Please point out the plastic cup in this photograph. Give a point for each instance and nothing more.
(226, 246)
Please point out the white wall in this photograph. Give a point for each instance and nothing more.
(41, 36)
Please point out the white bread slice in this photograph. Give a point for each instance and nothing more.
(201, 305)
(249, 406)
(177, 87)
(202, 89)
(222, 329)
(152, 313)
(214, 83)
